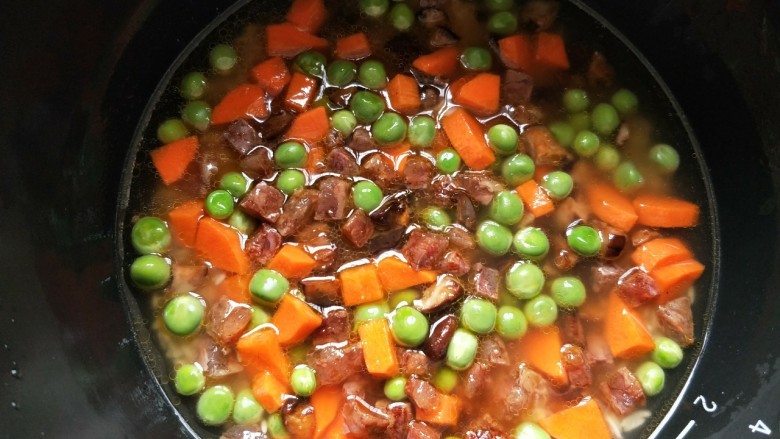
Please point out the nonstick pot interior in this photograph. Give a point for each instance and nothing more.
(74, 81)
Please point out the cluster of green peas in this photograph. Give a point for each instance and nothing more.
(585, 132)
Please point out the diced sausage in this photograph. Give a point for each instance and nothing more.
(597, 350)
(575, 364)
(429, 98)
(400, 416)
(298, 211)
(263, 201)
(432, 17)
(517, 87)
(454, 263)
(254, 431)
(386, 239)
(227, 320)
(570, 210)
(642, 235)
(623, 134)
(362, 419)
(442, 330)
(216, 360)
(540, 13)
(334, 328)
(527, 389)
(361, 140)
(333, 202)
(414, 362)
(478, 185)
(420, 430)
(334, 139)
(422, 394)
(417, 172)
(600, 72)
(492, 351)
(604, 277)
(348, 358)
(444, 291)
(323, 291)
(542, 146)
(477, 377)
(186, 278)
(258, 164)
(460, 238)
(636, 287)
(316, 238)
(263, 245)
(341, 96)
(443, 37)
(465, 213)
(276, 124)
(622, 392)
(571, 328)
(484, 433)
(241, 136)
(379, 171)
(484, 282)
(676, 320)
(424, 249)
(358, 228)
(300, 422)
(342, 162)
(393, 212)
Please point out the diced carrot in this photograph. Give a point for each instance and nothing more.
(535, 198)
(583, 421)
(468, 138)
(327, 402)
(542, 349)
(220, 244)
(551, 51)
(378, 348)
(307, 15)
(675, 279)
(659, 252)
(445, 414)
(517, 52)
(269, 391)
(610, 206)
(360, 284)
(260, 350)
(396, 156)
(272, 74)
(286, 40)
(442, 62)
(301, 92)
(458, 84)
(355, 46)
(396, 274)
(336, 429)
(404, 94)
(315, 162)
(626, 335)
(310, 127)
(236, 288)
(658, 211)
(247, 101)
(292, 262)
(172, 160)
(183, 221)
(440, 141)
(480, 94)
(295, 320)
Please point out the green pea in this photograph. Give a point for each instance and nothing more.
(341, 72)
(607, 157)
(529, 430)
(584, 240)
(558, 184)
(499, 5)
(448, 161)
(517, 169)
(276, 426)
(374, 8)
(291, 155)
(524, 280)
(511, 323)
(311, 63)
(366, 195)
(563, 132)
(150, 272)
(395, 388)
(150, 235)
(172, 130)
(215, 404)
(531, 243)
(476, 58)
(422, 131)
(268, 285)
(604, 119)
(493, 238)
(462, 349)
(303, 380)
(389, 128)
(197, 114)
(576, 100)
(667, 353)
(541, 311)
(506, 208)
(183, 314)
(403, 297)
(579, 121)
(627, 177)
(507, 298)
(344, 122)
(503, 139)
(370, 311)
(409, 326)
(367, 106)
(402, 17)
(478, 315)
(189, 379)
(193, 86)
(665, 158)
(625, 101)
(259, 317)
(247, 410)
(502, 23)
(436, 218)
(289, 180)
(586, 143)
(568, 292)
(651, 377)
(235, 183)
(223, 58)
(372, 74)
(445, 379)
(219, 204)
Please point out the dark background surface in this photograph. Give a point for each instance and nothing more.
(74, 79)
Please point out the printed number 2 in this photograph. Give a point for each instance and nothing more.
(708, 407)
(760, 427)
